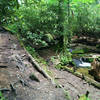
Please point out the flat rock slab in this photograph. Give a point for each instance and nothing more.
(11, 73)
(75, 85)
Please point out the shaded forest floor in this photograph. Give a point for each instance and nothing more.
(15, 70)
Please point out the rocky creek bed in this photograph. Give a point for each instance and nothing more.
(15, 70)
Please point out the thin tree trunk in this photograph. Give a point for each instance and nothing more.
(17, 4)
(26, 3)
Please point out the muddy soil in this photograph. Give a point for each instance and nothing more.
(15, 70)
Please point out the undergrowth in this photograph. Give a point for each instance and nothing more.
(1, 96)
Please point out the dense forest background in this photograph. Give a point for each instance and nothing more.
(59, 34)
(42, 22)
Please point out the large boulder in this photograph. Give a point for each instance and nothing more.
(95, 71)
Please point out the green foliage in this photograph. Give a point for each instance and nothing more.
(68, 97)
(49, 37)
(83, 1)
(7, 8)
(35, 22)
(90, 60)
(35, 39)
(80, 51)
(59, 67)
(34, 54)
(40, 22)
(65, 58)
(31, 51)
(1, 96)
(83, 98)
(86, 18)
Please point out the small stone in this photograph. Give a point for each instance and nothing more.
(33, 77)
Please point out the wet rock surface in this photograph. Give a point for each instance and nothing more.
(15, 70)
(75, 86)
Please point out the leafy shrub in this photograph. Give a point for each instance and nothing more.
(35, 22)
(65, 58)
(90, 60)
(59, 67)
(35, 39)
(31, 51)
(7, 8)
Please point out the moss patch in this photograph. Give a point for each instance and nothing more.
(85, 71)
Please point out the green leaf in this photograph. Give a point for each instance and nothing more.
(83, 98)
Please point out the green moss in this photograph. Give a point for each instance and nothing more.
(41, 60)
(31, 51)
(59, 66)
(84, 71)
(1, 96)
(80, 51)
(98, 46)
(83, 97)
(67, 96)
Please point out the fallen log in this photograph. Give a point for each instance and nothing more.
(37, 66)
(87, 79)
(34, 63)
